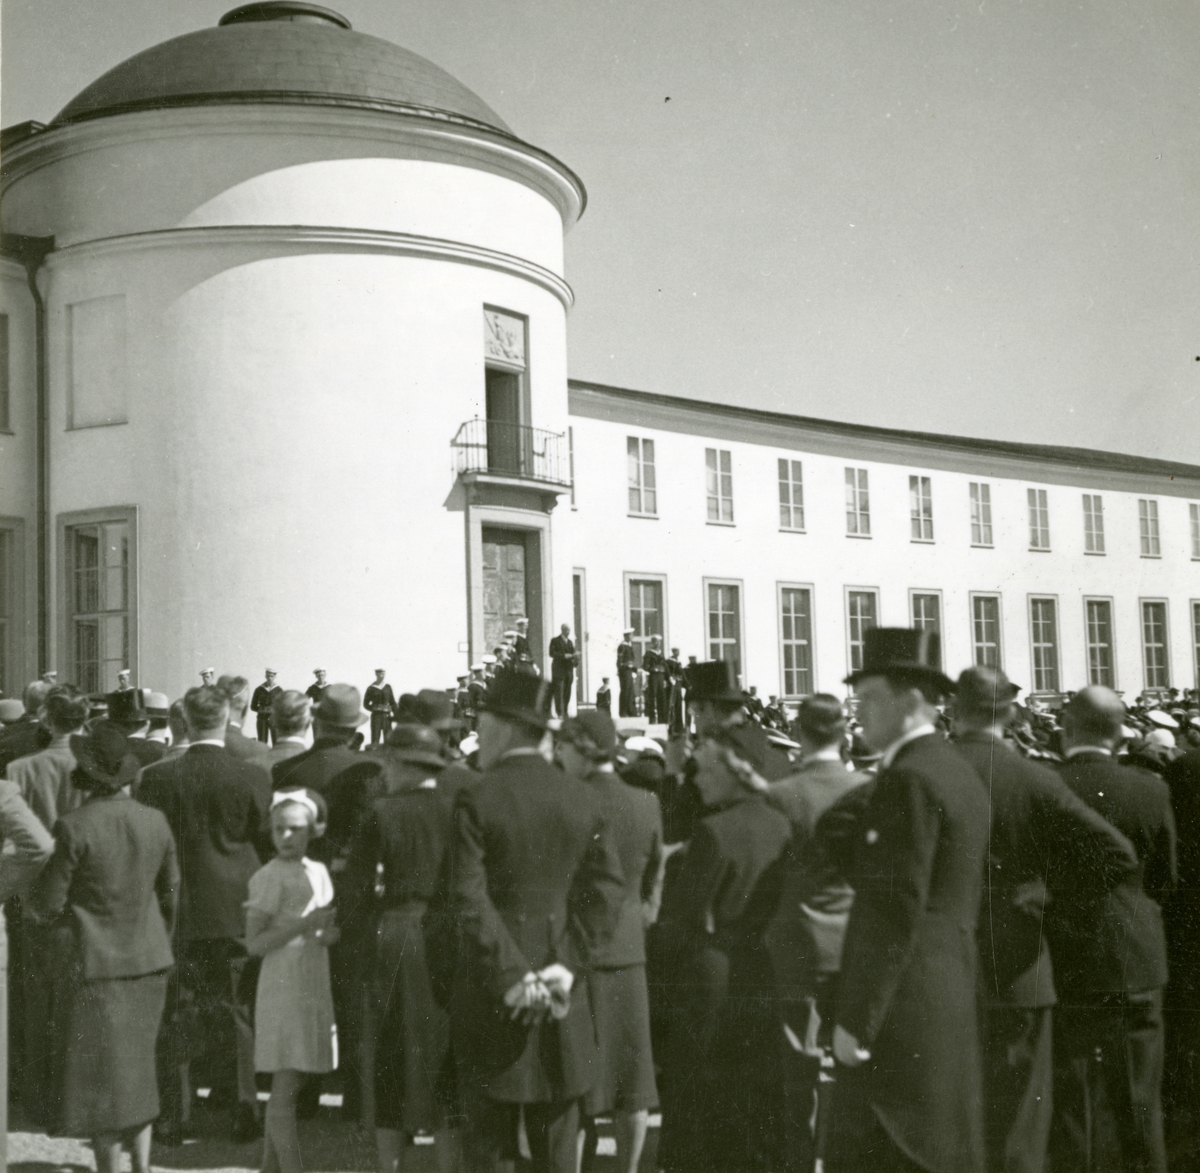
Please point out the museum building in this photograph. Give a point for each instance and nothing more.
(283, 380)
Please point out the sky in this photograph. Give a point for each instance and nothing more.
(977, 219)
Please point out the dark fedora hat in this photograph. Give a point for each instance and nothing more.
(418, 744)
(593, 730)
(518, 696)
(903, 652)
(104, 758)
(128, 706)
(341, 705)
(983, 689)
(713, 680)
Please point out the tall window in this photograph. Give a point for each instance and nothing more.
(1043, 638)
(795, 638)
(1039, 520)
(643, 491)
(4, 405)
(1093, 523)
(920, 508)
(862, 613)
(100, 586)
(1194, 512)
(1100, 642)
(718, 464)
(645, 612)
(791, 495)
(858, 503)
(927, 615)
(981, 513)
(506, 393)
(985, 630)
(8, 684)
(1155, 657)
(1196, 640)
(725, 623)
(1148, 528)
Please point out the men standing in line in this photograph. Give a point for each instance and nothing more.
(260, 704)
(1046, 848)
(380, 702)
(626, 667)
(906, 1035)
(539, 888)
(654, 663)
(1109, 1028)
(316, 690)
(563, 658)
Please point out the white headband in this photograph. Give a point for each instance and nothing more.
(300, 796)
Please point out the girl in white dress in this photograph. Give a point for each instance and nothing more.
(290, 925)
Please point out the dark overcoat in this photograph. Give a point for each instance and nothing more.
(908, 980)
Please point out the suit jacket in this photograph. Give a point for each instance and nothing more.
(1046, 845)
(1120, 945)
(44, 780)
(321, 768)
(23, 737)
(562, 656)
(283, 750)
(537, 881)
(245, 749)
(908, 982)
(216, 807)
(27, 844)
(115, 873)
(1181, 912)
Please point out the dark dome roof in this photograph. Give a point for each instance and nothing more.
(281, 52)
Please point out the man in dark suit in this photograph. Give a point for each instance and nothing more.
(562, 668)
(539, 888)
(246, 749)
(216, 807)
(906, 1034)
(380, 702)
(1110, 968)
(1046, 847)
(291, 716)
(626, 670)
(260, 704)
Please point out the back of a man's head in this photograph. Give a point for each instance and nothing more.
(177, 720)
(821, 720)
(290, 713)
(206, 710)
(65, 710)
(35, 695)
(1093, 716)
(237, 690)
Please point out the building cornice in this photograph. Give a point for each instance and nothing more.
(1039, 463)
(311, 239)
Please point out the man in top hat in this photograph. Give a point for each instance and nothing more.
(539, 888)
(127, 710)
(906, 1035)
(260, 704)
(626, 669)
(714, 698)
(380, 702)
(1047, 850)
(316, 690)
(654, 663)
(563, 658)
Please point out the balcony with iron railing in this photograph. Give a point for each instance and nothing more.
(502, 451)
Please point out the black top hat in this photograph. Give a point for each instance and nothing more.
(518, 696)
(713, 680)
(128, 706)
(103, 759)
(903, 651)
(418, 744)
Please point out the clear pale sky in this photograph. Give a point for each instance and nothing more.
(973, 218)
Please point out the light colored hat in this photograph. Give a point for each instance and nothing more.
(1128, 734)
(469, 744)
(1195, 722)
(489, 659)
(11, 710)
(629, 631)
(477, 667)
(1162, 720)
(1163, 737)
(510, 635)
(158, 704)
(640, 744)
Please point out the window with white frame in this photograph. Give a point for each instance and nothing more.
(1155, 654)
(858, 503)
(1148, 528)
(718, 470)
(646, 613)
(795, 640)
(1101, 659)
(1043, 639)
(1194, 512)
(926, 609)
(791, 495)
(1039, 520)
(1093, 524)
(100, 602)
(985, 630)
(643, 492)
(725, 622)
(920, 508)
(862, 613)
(981, 513)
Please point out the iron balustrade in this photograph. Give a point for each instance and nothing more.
(511, 450)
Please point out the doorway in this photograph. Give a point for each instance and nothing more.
(512, 586)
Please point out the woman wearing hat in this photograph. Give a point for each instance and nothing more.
(114, 882)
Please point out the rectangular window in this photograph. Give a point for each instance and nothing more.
(1093, 523)
(1100, 642)
(1043, 638)
(1194, 512)
(571, 461)
(100, 579)
(8, 685)
(645, 612)
(858, 503)
(718, 465)
(725, 623)
(985, 630)
(643, 486)
(981, 513)
(920, 508)
(506, 394)
(1148, 528)
(5, 423)
(1039, 520)
(1155, 657)
(795, 640)
(791, 495)
(1196, 640)
(862, 613)
(927, 615)
(96, 375)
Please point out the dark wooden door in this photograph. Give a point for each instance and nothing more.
(504, 593)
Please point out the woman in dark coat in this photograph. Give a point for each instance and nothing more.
(114, 881)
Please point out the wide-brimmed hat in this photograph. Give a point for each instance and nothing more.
(518, 696)
(127, 706)
(103, 756)
(341, 705)
(593, 731)
(1162, 719)
(981, 688)
(903, 652)
(418, 744)
(713, 680)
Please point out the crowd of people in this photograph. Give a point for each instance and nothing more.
(927, 928)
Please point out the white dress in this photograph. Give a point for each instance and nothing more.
(293, 1012)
